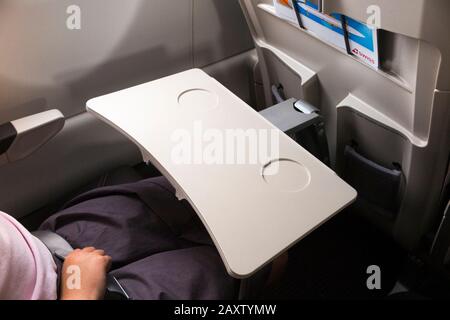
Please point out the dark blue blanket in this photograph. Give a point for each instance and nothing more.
(159, 247)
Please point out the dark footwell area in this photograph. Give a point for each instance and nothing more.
(332, 262)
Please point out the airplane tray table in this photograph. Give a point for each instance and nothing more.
(253, 210)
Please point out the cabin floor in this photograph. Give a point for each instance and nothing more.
(332, 263)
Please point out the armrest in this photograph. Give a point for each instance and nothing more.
(20, 138)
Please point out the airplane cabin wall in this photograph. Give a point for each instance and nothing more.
(46, 65)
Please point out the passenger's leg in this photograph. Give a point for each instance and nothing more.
(193, 273)
(129, 222)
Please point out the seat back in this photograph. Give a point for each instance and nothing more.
(396, 117)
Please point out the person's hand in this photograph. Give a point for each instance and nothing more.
(84, 275)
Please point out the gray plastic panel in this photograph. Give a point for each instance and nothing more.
(43, 64)
(219, 31)
(286, 118)
(117, 46)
